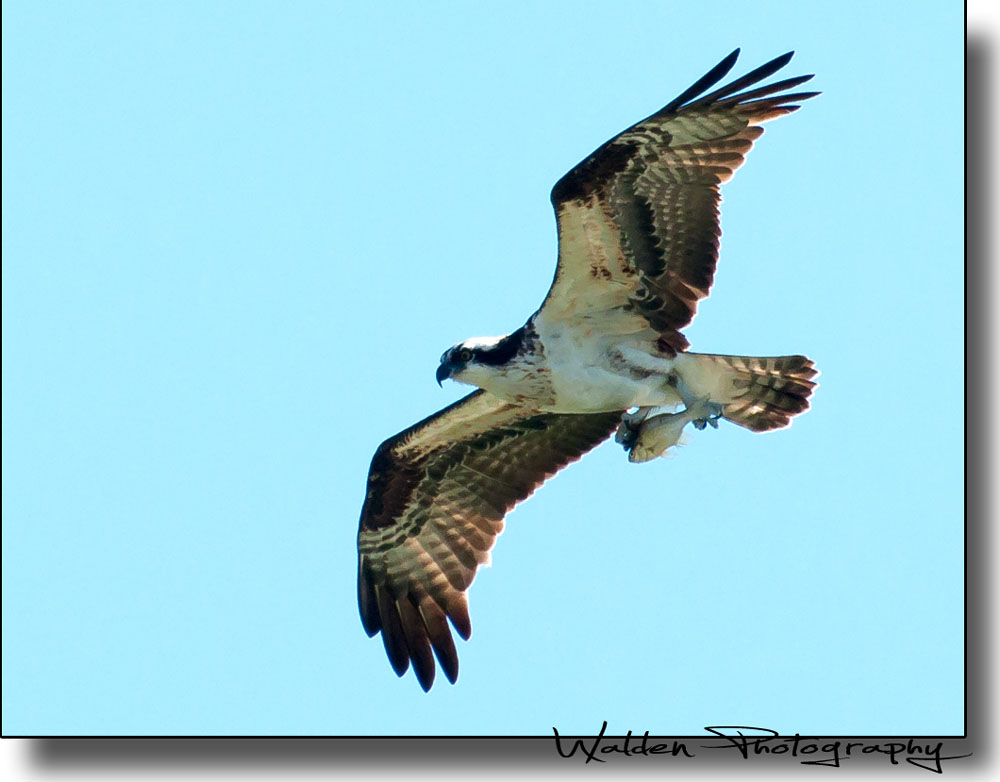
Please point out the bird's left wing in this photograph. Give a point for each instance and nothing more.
(638, 219)
(437, 496)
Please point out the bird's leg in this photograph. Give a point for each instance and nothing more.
(703, 411)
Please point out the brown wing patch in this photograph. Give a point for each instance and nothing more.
(433, 511)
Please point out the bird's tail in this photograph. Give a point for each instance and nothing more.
(756, 393)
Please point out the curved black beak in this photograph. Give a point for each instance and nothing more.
(443, 372)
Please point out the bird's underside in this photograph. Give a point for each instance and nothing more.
(638, 245)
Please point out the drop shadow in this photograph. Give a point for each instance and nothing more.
(255, 753)
(980, 352)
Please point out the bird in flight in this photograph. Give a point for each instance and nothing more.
(638, 227)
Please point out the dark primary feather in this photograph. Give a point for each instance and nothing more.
(437, 497)
(640, 216)
(704, 82)
(756, 75)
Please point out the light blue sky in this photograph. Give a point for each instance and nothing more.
(236, 239)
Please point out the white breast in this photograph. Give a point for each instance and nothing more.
(591, 374)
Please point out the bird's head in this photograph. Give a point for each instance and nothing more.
(453, 362)
(477, 360)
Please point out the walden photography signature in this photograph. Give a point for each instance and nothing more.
(749, 742)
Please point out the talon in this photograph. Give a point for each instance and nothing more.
(630, 427)
(626, 435)
(705, 412)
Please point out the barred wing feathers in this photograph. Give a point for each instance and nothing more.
(437, 496)
(638, 220)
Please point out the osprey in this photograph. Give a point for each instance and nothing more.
(638, 227)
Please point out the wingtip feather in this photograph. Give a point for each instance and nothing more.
(367, 603)
(440, 636)
(393, 637)
(712, 77)
(458, 613)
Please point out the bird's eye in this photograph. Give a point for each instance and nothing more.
(464, 355)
